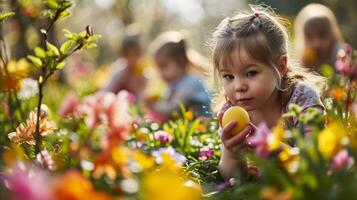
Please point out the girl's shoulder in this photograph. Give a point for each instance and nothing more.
(305, 96)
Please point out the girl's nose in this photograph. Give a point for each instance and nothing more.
(240, 86)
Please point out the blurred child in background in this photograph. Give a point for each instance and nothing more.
(128, 70)
(174, 64)
(318, 37)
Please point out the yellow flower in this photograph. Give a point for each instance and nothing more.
(330, 139)
(20, 67)
(121, 155)
(145, 162)
(25, 131)
(289, 156)
(275, 139)
(169, 163)
(163, 185)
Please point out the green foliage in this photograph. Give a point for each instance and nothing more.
(5, 16)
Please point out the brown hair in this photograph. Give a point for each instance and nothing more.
(262, 35)
(315, 16)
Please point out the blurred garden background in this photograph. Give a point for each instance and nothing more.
(92, 141)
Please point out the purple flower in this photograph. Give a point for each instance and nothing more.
(206, 153)
(260, 140)
(224, 185)
(341, 160)
(163, 137)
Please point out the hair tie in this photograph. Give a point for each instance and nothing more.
(256, 14)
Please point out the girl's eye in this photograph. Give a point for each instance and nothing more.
(228, 77)
(251, 73)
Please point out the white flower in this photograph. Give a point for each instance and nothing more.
(29, 88)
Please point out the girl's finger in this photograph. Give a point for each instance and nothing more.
(239, 138)
(227, 130)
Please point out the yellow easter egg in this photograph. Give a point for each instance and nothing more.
(238, 114)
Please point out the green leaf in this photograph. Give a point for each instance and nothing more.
(66, 4)
(48, 13)
(39, 52)
(94, 38)
(60, 65)
(64, 14)
(90, 46)
(68, 34)
(36, 61)
(52, 4)
(82, 34)
(5, 16)
(66, 46)
(51, 65)
(52, 48)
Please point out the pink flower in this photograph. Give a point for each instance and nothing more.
(163, 137)
(106, 108)
(69, 105)
(260, 140)
(131, 98)
(341, 160)
(342, 66)
(24, 184)
(111, 111)
(206, 153)
(45, 159)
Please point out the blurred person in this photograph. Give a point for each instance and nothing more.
(128, 69)
(318, 37)
(176, 64)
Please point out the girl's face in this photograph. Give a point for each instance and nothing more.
(247, 82)
(169, 69)
(132, 56)
(320, 41)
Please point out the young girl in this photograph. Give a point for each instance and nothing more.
(171, 56)
(250, 55)
(318, 37)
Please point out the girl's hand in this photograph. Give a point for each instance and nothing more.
(237, 142)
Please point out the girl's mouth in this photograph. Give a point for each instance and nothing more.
(243, 100)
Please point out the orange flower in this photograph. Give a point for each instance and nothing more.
(74, 186)
(189, 115)
(201, 128)
(25, 131)
(338, 93)
(10, 82)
